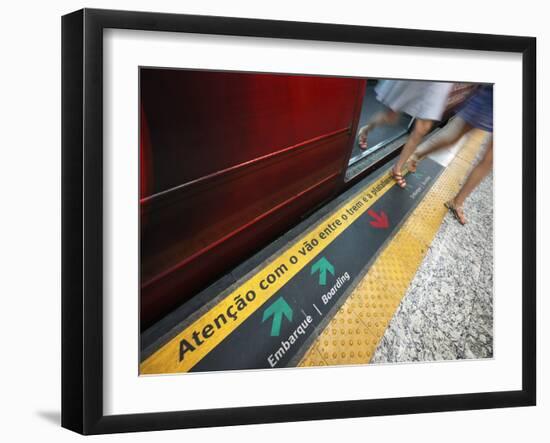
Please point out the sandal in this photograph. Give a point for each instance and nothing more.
(363, 133)
(398, 177)
(457, 211)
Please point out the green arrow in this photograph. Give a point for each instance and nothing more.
(322, 265)
(277, 310)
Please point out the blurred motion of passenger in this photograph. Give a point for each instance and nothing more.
(477, 112)
(423, 100)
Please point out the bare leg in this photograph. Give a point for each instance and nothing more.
(474, 179)
(448, 136)
(388, 117)
(421, 128)
(478, 173)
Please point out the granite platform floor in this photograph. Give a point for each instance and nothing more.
(447, 312)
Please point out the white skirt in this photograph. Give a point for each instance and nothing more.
(420, 99)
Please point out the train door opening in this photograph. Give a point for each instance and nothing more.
(382, 140)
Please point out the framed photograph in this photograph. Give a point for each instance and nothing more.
(268, 221)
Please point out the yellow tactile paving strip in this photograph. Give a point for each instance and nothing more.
(353, 334)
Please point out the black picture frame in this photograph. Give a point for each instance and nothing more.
(82, 219)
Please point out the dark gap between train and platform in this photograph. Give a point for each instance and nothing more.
(280, 332)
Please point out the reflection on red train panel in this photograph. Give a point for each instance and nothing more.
(228, 162)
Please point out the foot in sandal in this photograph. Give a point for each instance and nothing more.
(457, 211)
(363, 134)
(399, 179)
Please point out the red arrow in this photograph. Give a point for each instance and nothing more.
(380, 220)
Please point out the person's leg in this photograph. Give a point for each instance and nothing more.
(449, 135)
(388, 117)
(474, 179)
(420, 129)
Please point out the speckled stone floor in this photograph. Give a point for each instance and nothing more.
(447, 312)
